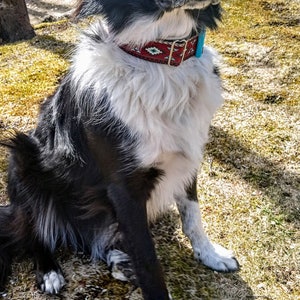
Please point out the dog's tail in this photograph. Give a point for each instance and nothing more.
(24, 151)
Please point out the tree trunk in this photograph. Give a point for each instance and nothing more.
(14, 21)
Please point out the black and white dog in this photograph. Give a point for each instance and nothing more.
(119, 142)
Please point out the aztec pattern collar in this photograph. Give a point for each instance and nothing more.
(172, 53)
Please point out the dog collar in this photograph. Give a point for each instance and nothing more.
(172, 53)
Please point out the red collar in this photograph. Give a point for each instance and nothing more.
(172, 53)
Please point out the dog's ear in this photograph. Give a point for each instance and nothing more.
(208, 17)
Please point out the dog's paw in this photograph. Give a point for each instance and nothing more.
(52, 282)
(120, 266)
(217, 258)
(3, 293)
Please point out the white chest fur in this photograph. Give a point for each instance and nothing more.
(168, 109)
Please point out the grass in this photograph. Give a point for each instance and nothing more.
(249, 185)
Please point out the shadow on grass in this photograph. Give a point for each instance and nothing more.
(278, 184)
(187, 278)
(51, 44)
(43, 9)
(42, 15)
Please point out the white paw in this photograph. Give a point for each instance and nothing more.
(217, 258)
(121, 267)
(52, 282)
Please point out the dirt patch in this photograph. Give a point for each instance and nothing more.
(50, 10)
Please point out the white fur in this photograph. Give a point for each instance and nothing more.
(53, 282)
(47, 226)
(51, 228)
(104, 238)
(115, 257)
(148, 29)
(168, 109)
(178, 173)
(211, 255)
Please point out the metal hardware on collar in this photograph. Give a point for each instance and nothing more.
(172, 50)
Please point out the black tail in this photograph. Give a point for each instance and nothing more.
(25, 152)
(24, 159)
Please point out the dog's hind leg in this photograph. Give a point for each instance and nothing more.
(212, 255)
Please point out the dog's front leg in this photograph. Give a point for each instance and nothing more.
(132, 218)
(212, 255)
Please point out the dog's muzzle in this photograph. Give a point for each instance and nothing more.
(189, 4)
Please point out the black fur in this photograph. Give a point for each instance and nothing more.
(76, 172)
(131, 9)
(70, 181)
(121, 14)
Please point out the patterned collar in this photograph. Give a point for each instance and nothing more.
(172, 53)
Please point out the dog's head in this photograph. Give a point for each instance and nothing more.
(154, 18)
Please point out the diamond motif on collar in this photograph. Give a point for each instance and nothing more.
(153, 51)
(168, 52)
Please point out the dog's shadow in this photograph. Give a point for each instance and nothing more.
(277, 183)
(187, 278)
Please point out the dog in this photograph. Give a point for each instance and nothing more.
(119, 141)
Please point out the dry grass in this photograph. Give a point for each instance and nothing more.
(249, 187)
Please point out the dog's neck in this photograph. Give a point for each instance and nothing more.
(163, 40)
(148, 29)
(172, 53)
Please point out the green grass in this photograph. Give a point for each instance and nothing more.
(249, 185)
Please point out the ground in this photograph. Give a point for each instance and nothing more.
(49, 10)
(249, 183)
